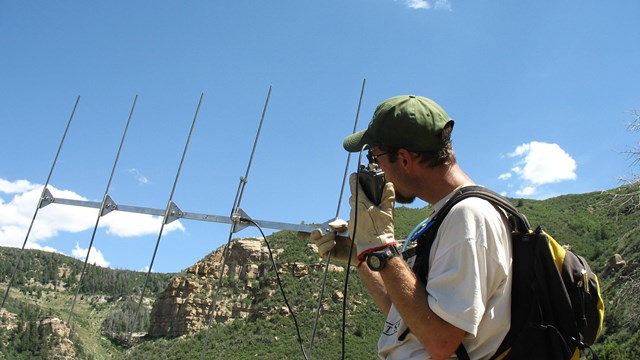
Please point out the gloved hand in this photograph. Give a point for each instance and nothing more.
(374, 227)
(338, 246)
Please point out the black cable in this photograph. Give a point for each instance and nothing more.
(275, 267)
(346, 282)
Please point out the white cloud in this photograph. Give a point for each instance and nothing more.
(545, 163)
(123, 224)
(539, 164)
(95, 256)
(426, 4)
(526, 191)
(16, 214)
(140, 178)
(443, 4)
(418, 4)
(18, 186)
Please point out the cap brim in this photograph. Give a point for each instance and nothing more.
(355, 142)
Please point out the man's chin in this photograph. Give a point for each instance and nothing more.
(401, 199)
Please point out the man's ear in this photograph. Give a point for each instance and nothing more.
(405, 157)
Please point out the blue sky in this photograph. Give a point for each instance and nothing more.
(540, 91)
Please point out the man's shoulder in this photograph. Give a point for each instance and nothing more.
(473, 205)
(470, 212)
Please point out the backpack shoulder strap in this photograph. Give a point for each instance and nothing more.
(518, 221)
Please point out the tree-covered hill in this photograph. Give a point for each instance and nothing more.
(44, 286)
(41, 269)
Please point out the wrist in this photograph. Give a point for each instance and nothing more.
(365, 250)
(377, 260)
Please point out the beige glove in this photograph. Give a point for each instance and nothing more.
(338, 246)
(374, 227)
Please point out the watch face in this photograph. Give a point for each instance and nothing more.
(374, 262)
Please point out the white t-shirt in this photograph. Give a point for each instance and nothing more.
(469, 283)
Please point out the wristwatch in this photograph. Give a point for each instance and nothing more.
(378, 259)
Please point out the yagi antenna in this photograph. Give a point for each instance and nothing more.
(238, 219)
(173, 212)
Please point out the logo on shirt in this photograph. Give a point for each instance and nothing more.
(391, 328)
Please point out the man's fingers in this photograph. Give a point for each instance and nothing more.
(326, 243)
(388, 196)
(315, 234)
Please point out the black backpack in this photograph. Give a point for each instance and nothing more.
(556, 307)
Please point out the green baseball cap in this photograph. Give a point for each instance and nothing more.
(408, 121)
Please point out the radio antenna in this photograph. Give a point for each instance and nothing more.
(238, 220)
(40, 203)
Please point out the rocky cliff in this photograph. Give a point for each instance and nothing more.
(184, 306)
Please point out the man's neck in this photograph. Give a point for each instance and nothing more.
(440, 181)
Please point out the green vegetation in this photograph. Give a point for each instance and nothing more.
(32, 338)
(54, 271)
(123, 320)
(45, 284)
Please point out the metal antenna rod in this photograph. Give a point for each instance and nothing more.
(234, 213)
(245, 179)
(346, 167)
(44, 190)
(326, 266)
(168, 213)
(105, 200)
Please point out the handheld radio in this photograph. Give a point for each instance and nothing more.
(371, 179)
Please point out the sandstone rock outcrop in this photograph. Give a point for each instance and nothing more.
(184, 307)
(63, 348)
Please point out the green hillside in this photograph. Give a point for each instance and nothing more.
(45, 285)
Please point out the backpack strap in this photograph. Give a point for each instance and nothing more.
(518, 221)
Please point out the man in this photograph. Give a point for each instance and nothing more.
(466, 296)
